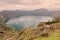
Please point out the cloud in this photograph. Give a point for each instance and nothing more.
(20, 1)
(29, 4)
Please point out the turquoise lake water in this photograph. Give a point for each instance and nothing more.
(27, 21)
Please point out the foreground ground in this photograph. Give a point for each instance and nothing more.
(41, 32)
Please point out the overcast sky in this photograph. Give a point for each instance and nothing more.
(29, 4)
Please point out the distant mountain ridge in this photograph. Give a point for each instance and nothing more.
(16, 13)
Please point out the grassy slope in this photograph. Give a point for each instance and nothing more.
(53, 36)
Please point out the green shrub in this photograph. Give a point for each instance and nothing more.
(53, 21)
